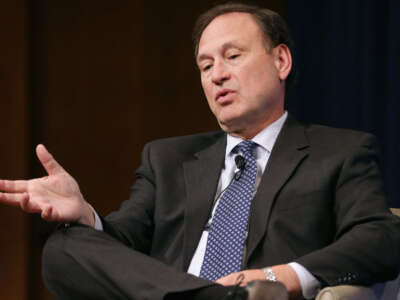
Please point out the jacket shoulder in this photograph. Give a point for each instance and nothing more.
(187, 144)
(338, 138)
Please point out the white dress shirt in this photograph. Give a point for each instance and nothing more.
(265, 141)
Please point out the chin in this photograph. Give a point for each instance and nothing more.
(229, 118)
(229, 126)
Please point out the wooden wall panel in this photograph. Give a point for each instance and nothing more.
(14, 255)
(112, 81)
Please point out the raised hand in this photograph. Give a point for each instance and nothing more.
(56, 197)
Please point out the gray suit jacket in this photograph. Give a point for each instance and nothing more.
(320, 203)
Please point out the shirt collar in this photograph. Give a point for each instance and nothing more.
(265, 138)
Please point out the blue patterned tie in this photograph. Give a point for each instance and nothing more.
(228, 229)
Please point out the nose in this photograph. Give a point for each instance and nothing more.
(220, 73)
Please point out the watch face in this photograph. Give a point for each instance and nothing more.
(269, 274)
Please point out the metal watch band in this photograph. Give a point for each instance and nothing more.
(269, 274)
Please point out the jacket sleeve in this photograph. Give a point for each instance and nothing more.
(133, 224)
(366, 245)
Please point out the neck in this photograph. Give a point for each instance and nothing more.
(251, 131)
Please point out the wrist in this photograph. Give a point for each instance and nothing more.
(286, 275)
(87, 217)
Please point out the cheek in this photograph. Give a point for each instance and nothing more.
(259, 80)
(250, 75)
(207, 89)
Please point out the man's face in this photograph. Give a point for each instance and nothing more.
(241, 77)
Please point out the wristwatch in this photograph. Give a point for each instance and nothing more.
(269, 274)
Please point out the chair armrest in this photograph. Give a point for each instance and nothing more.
(346, 292)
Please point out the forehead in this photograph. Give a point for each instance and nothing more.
(227, 29)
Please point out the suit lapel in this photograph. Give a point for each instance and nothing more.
(201, 179)
(289, 150)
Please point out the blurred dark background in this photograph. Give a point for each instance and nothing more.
(95, 80)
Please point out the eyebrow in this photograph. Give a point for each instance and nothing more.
(225, 46)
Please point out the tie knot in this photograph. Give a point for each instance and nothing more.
(246, 147)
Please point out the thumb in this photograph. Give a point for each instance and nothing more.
(49, 163)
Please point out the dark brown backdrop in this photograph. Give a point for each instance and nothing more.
(93, 81)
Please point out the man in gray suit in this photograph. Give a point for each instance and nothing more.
(317, 216)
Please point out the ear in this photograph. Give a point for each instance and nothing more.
(283, 60)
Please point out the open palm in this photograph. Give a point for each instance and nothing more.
(56, 197)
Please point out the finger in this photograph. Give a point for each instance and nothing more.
(13, 199)
(47, 213)
(49, 163)
(13, 186)
(28, 206)
(240, 279)
(226, 280)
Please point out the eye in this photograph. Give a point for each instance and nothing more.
(233, 56)
(206, 67)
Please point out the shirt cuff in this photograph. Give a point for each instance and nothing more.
(98, 225)
(309, 284)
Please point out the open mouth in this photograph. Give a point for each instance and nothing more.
(223, 93)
